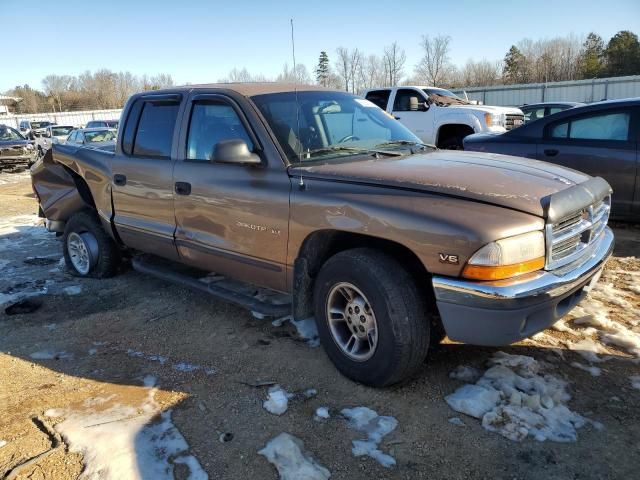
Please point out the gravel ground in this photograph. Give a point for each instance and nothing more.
(91, 345)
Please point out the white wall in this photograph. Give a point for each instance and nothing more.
(75, 119)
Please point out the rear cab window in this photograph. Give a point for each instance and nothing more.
(150, 125)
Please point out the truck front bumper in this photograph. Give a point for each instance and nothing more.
(506, 311)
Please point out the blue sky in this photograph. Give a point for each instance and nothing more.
(200, 41)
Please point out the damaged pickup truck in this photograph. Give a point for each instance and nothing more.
(323, 198)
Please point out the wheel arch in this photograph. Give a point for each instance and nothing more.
(321, 245)
(449, 130)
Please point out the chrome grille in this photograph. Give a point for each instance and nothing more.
(514, 120)
(573, 236)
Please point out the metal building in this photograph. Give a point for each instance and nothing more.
(570, 91)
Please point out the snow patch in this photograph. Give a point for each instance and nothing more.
(186, 367)
(516, 399)
(2, 443)
(322, 413)
(594, 371)
(306, 328)
(73, 290)
(50, 355)
(473, 400)
(133, 442)
(635, 381)
(287, 453)
(54, 412)
(368, 421)
(277, 401)
(457, 422)
(465, 373)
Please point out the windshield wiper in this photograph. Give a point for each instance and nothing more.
(342, 148)
(393, 143)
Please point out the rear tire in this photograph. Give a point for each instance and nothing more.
(385, 301)
(88, 250)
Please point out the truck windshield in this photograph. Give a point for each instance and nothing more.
(326, 124)
(443, 97)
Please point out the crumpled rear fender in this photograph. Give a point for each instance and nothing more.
(56, 189)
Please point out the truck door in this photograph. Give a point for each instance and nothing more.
(413, 116)
(600, 144)
(142, 180)
(231, 218)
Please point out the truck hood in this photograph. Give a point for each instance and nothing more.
(502, 180)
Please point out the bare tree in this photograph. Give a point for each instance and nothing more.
(434, 65)
(55, 86)
(343, 66)
(300, 75)
(481, 73)
(355, 62)
(394, 59)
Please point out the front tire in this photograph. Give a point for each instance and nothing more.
(371, 318)
(88, 250)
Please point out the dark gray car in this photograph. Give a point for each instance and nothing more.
(536, 111)
(600, 139)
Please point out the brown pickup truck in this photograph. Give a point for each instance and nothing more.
(322, 197)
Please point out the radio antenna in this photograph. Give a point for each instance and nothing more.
(295, 90)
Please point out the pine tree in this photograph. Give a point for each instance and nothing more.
(623, 54)
(514, 70)
(592, 56)
(322, 70)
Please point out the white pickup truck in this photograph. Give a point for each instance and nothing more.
(439, 117)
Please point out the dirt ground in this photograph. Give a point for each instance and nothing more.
(97, 341)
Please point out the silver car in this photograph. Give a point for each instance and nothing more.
(102, 138)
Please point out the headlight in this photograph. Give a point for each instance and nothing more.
(29, 146)
(495, 119)
(507, 258)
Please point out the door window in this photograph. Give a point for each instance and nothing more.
(604, 126)
(212, 122)
(533, 114)
(379, 97)
(402, 102)
(155, 130)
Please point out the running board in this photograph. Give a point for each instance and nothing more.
(241, 294)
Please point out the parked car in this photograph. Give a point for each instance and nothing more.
(52, 134)
(600, 139)
(535, 111)
(102, 138)
(102, 123)
(439, 117)
(32, 129)
(16, 151)
(322, 197)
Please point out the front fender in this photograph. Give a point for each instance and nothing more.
(427, 224)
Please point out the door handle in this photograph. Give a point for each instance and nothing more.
(119, 179)
(183, 188)
(551, 152)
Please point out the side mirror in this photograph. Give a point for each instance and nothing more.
(416, 106)
(48, 134)
(235, 150)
